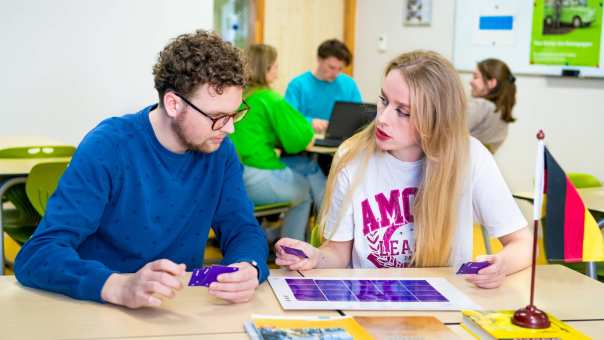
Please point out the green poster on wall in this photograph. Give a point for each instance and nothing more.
(566, 32)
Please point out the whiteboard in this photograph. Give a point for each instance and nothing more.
(510, 42)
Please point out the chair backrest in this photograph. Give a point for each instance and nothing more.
(271, 209)
(315, 236)
(581, 180)
(38, 151)
(42, 182)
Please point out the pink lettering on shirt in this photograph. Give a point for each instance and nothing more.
(390, 237)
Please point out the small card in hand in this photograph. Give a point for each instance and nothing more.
(206, 275)
(472, 267)
(294, 251)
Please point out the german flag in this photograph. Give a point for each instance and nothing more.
(571, 232)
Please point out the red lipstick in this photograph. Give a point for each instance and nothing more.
(381, 135)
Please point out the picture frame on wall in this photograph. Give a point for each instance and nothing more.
(417, 13)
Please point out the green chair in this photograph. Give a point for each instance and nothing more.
(42, 182)
(315, 237)
(30, 199)
(20, 221)
(581, 180)
(271, 209)
(263, 211)
(38, 151)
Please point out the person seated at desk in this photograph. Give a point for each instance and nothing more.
(493, 89)
(314, 93)
(134, 208)
(404, 191)
(271, 123)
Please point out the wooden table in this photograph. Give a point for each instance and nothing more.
(560, 291)
(328, 150)
(593, 329)
(20, 167)
(35, 314)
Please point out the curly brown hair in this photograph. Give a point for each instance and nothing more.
(194, 59)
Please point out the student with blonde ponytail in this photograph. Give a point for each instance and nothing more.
(404, 191)
(493, 89)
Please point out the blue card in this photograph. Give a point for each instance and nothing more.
(206, 275)
(294, 251)
(472, 267)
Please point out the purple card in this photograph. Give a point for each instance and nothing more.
(206, 275)
(472, 267)
(294, 251)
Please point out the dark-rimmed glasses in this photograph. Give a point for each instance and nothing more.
(218, 122)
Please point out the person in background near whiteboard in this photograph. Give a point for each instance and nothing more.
(493, 98)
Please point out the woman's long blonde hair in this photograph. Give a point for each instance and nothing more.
(437, 104)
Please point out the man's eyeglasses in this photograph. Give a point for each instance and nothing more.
(219, 121)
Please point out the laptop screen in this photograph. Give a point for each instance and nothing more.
(348, 118)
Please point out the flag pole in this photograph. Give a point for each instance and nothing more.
(531, 316)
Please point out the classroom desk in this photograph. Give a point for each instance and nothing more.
(593, 198)
(195, 315)
(208, 336)
(328, 150)
(560, 291)
(323, 149)
(593, 329)
(22, 166)
(35, 314)
(19, 167)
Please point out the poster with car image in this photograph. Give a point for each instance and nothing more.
(566, 33)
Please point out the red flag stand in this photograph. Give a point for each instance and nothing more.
(531, 316)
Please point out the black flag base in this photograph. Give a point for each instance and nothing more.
(530, 317)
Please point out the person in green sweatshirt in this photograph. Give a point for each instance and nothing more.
(270, 124)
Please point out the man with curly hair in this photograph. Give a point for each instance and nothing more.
(134, 208)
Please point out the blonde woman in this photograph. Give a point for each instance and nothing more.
(404, 191)
(493, 88)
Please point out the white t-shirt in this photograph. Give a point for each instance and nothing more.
(380, 219)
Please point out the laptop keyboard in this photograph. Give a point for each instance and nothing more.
(329, 142)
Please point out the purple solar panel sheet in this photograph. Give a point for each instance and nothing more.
(364, 290)
(206, 275)
(472, 267)
(294, 251)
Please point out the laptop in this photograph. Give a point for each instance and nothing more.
(346, 119)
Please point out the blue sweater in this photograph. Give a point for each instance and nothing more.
(315, 98)
(125, 201)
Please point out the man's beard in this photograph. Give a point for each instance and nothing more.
(178, 126)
